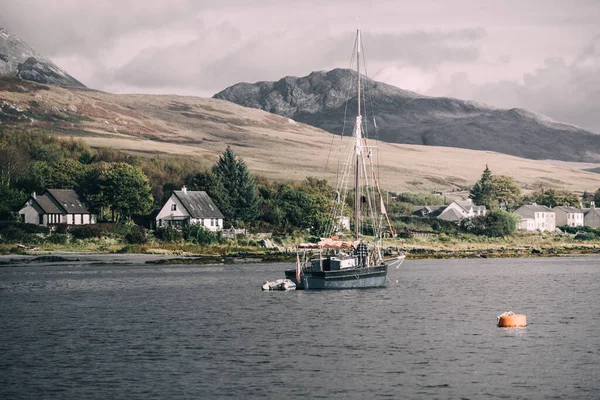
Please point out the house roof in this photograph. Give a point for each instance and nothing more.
(588, 211)
(198, 204)
(451, 215)
(47, 204)
(69, 200)
(528, 211)
(467, 204)
(569, 210)
(430, 211)
(60, 201)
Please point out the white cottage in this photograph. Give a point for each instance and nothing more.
(534, 217)
(461, 209)
(56, 206)
(190, 207)
(569, 216)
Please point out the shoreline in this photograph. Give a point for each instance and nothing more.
(176, 258)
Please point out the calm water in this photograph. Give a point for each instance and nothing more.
(101, 332)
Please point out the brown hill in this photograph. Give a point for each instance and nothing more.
(273, 146)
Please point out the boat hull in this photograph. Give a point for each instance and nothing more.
(349, 278)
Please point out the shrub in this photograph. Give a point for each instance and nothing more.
(168, 234)
(58, 238)
(136, 235)
(86, 232)
(198, 234)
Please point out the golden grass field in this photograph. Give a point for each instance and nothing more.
(274, 147)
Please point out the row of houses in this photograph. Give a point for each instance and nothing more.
(532, 217)
(536, 217)
(63, 206)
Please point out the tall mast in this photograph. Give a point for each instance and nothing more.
(357, 145)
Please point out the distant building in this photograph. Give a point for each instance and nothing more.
(534, 217)
(569, 216)
(592, 216)
(56, 206)
(456, 211)
(190, 207)
(428, 211)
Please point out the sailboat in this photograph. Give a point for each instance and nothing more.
(353, 263)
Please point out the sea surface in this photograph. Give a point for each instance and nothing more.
(206, 332)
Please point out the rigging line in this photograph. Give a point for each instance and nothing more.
(345, 107)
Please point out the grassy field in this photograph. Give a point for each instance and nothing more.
(274, 147)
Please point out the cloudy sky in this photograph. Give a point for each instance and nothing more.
(543, 55)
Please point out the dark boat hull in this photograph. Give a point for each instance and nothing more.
(348, 278)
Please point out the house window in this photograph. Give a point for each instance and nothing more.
(173, 207)
(212, 222)
(41, 222)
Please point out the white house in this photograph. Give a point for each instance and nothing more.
(592, 216)
(569, 216)
(461, 209)
(534, 217)
(56, 206)
(190, 207)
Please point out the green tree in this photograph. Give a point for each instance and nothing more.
(479, 191)
(496, 223)
(502, 192)
(10, 202)
(63, 174)
(121, 187)
(553, 197)
(213, 186)
(240, 186)
(597, 198)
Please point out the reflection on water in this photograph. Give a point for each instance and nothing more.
(209, 331)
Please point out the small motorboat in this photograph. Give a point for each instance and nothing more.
(279, 284)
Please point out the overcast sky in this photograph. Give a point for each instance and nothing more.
(542, 55)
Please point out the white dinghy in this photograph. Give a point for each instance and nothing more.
(279, 284)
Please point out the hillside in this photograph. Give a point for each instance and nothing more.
(18, 59)
(273, 146)
(319, 99)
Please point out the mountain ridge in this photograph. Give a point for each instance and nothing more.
(18, 59)
(319, 99)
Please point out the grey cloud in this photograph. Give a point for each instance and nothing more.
(565, 92)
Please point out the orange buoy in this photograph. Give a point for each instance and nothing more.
(511, 320)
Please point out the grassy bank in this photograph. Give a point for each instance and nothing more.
(244, 250)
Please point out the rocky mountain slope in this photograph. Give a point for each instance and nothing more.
(319, 99)
(275, 147)
(20, 60)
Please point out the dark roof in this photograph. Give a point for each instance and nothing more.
(198, 204)
(60, 201)
(69, 200)
(47, 204)
(429, 211)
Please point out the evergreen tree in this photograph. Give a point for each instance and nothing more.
(240, 186)
(479, 191)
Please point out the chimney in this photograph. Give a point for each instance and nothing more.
(34, 195)
(184, 189)
(592, 204)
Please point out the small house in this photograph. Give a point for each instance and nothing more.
(190, 207)
(461, 209)
(56, 206)
(592, 216)
(569, 216)
(534, 217)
